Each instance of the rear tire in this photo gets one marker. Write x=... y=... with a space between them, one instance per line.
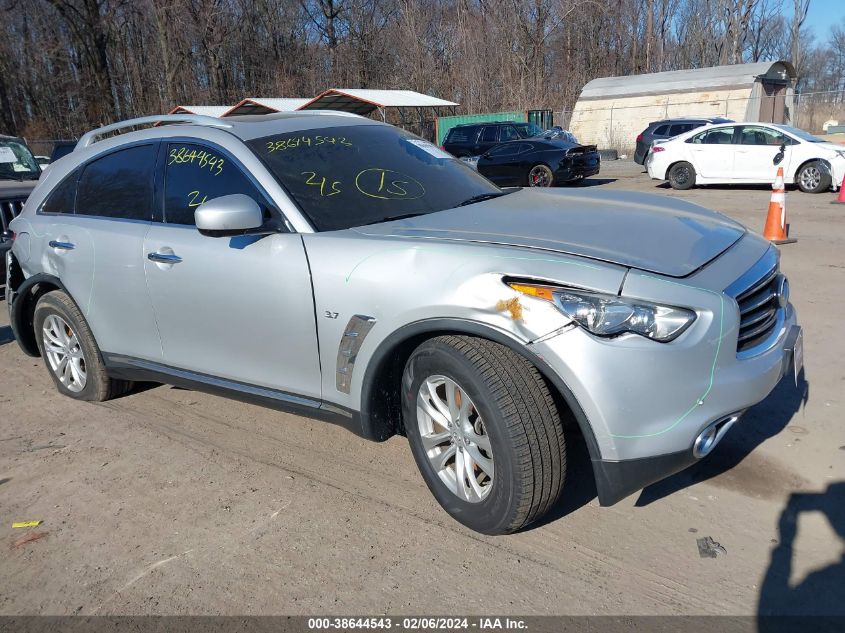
x=510 y=424
x=681 y=176
x=540 y=176
x=70 y=352
x=813 y=177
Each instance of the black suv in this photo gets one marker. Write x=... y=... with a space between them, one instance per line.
x=667 y=128
x=474 y=139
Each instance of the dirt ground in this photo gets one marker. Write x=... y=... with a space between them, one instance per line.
x=169 y=501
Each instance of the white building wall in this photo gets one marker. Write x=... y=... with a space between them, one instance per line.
x=614 y=123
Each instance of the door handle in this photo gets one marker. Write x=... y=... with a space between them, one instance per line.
x=65 y=246
x=164 y=258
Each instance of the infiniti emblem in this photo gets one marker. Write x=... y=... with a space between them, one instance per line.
x=783 y=291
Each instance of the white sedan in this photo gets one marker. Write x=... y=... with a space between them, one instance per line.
x=746 y=153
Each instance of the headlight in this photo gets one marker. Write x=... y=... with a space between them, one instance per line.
x=609 y=315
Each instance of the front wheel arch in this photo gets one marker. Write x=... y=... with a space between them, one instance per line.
x=823 y=161
x=380 y=409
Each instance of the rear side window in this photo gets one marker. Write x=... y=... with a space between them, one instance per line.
x=194 y=174
x=489 y=135
x=720 y=136
x=509 y=149
x=461 y=134
x=63 y=197
x=119 y=185
x=680 y=128
x=661 y=130
x=509 y=133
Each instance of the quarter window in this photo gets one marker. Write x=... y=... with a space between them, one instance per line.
x=119 y=185
x=663 y=130
x=63 y=197
x=194 y=174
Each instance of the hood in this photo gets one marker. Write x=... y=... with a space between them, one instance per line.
x=16 y=188
x=831 y=147
x=652 y=233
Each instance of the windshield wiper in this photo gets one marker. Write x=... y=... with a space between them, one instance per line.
x=393 y=217
x=481 y=198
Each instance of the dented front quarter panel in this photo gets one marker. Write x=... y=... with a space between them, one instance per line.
x=400 y=281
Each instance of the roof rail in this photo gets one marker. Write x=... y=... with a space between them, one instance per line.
x=90 y=137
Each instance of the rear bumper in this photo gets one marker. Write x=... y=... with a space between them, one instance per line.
x=578 y=167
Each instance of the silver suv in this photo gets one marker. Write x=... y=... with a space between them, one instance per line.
x=344 y=269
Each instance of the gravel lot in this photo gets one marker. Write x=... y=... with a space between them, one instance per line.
x=169 y=501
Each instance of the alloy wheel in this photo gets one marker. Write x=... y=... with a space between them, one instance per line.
x=454 y=438
x=64 y=353
x=811 y=177
x=539 y=176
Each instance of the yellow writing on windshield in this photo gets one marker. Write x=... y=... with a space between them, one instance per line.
x=294 y=142
x=387 y=184
x=314 y=179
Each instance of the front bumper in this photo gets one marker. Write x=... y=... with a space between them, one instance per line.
x=647 y=402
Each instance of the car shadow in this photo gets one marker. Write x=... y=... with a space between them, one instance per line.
x=742 y=187
x=6 y=335
x=821 y=593
x=590 y=182
x=760 y=422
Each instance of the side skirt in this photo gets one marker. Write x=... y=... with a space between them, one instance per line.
x=137 y=369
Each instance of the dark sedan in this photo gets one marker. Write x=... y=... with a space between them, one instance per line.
x=539 y=163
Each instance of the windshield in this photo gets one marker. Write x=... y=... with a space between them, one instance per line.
x=363 y=174
x=804 y=136
x=17 y=162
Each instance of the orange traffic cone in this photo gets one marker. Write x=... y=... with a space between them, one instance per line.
x=775 y=229
x=841 y=198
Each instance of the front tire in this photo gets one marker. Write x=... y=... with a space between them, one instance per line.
x=813 y=177
x=484 y=431
x=681 y=176
x=70 y=352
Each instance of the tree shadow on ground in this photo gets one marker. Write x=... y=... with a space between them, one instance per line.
x=761 y=422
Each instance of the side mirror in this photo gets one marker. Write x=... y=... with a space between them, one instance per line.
x=235 y=214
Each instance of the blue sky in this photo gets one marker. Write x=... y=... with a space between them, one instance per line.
x=822 y=15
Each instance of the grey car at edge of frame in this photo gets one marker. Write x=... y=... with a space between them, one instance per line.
x=346 y=270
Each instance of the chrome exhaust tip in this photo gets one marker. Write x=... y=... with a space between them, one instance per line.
x=712 y=434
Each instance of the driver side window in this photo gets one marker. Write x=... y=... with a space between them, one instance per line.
x=195 y=173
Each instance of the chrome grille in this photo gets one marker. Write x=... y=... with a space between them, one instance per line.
x=9 y=210
x=758 y=310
